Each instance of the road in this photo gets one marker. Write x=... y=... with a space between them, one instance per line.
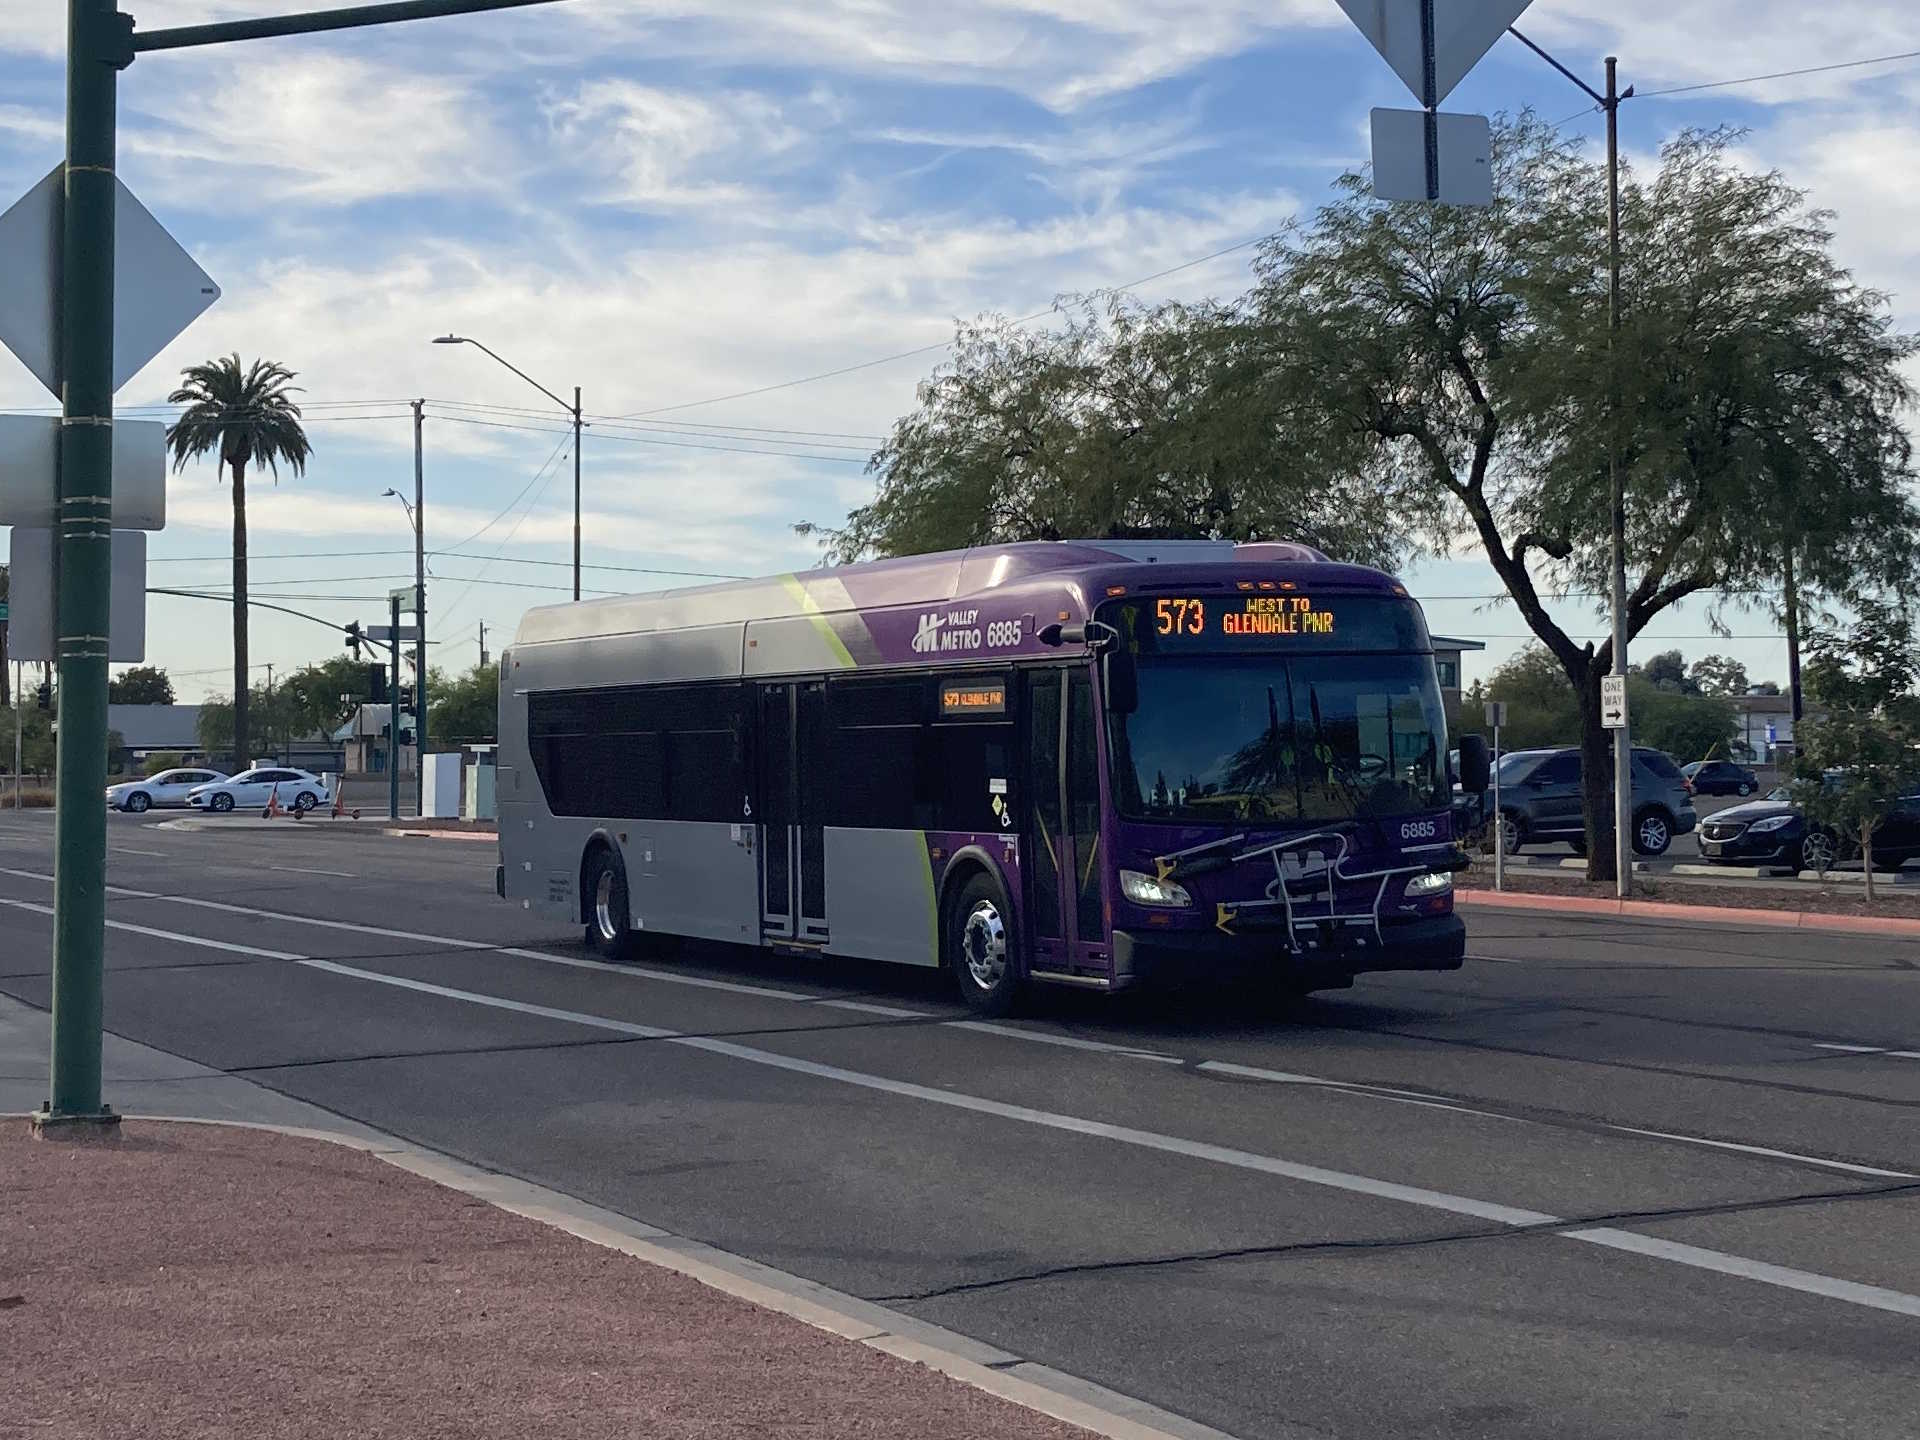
x=1609 y=1180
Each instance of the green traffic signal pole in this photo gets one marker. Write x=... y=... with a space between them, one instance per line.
x=96 y=50
x=101 y=42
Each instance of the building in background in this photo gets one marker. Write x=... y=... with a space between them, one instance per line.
x=369 y=745
x=1446 y=660
x=1763 y=728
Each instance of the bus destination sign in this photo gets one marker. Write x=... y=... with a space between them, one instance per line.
x=967 y=699
x=1249 y=615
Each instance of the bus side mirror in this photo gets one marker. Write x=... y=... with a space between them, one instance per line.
x=1119 y=679
x=1476 y=769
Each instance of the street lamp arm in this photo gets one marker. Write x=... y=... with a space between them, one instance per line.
x=313 y=21
x=469 y=340
x=1598 y=98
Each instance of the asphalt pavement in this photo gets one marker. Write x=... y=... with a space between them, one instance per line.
x=1611 y=1179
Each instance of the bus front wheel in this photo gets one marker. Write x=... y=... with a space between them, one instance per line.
x=981 y=947
x=609 y=917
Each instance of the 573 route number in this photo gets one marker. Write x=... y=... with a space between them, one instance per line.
x=1180 y=617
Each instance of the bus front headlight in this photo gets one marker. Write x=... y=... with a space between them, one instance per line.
x=1421 y=886
x=1145 y=890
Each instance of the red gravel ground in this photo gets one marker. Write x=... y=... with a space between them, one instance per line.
x=195 y=1281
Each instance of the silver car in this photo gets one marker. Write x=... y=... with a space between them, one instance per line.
x=168 y=788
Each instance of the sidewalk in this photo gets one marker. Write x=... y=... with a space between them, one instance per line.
x=197 y=1280
x=290 y=1273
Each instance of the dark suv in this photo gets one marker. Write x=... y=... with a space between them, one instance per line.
x=1540 y=800
x=1720 y=777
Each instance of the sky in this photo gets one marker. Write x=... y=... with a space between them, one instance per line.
x=686 y=208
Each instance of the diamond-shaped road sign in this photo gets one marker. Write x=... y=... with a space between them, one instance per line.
x=1463 y=31
x=158 y=290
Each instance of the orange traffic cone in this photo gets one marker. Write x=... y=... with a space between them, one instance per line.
x=273 y=804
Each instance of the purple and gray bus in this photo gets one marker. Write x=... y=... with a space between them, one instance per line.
x=1078 y=763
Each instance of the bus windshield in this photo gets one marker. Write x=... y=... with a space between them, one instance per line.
x=1250 y=737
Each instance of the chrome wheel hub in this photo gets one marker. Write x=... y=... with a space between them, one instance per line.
x=1819 y=851
x=1653 y=834
x=983 y=944
x=603 y=919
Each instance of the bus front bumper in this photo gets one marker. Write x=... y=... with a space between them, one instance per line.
x=1430 y=943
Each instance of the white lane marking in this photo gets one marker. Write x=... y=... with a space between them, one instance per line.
x=1069 y=1042
x=165 y=934
x=1874 y=1297
x=698 y=982
x=1870 y=1050
x=129 y=850
x=862 y=1007
x=1850 y=1169
x=1356 y=1087
x=521 y=1007
x=307 y=870
x=1786 y=1277
x=1497 y=959
x=982 y=1027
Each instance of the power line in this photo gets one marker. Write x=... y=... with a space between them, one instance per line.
x=671 y=444
x=558 y=450
x=1782 y=74
x=943 y=345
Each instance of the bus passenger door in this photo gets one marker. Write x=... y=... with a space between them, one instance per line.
x=1045 y=838
x=777 y=810
x=1086 y=891
x=792 y=726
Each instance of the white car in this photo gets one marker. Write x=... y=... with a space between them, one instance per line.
x=251 y=789
x=169 y=787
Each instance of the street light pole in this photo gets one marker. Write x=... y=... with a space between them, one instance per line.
x=573 y=410
x=97 y=41
x=419 y=613
x=576 y=492
x=1616 y=478
x=1622 y=737
x=100 y=43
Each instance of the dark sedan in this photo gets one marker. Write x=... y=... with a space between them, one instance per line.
x=1774 y=831
x=1720 y=777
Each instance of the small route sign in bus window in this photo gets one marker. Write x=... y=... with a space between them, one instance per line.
x=965 y=699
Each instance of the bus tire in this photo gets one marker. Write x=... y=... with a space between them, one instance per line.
x=609 y=914
x=980 y=946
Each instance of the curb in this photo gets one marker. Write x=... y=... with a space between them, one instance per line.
x=445 y=834
x=1700 y=914
x=985 y=1367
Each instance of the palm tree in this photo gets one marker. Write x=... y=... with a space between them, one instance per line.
x=241 y=417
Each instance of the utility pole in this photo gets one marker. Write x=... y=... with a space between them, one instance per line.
x=1616 y=478
x=1623 y=737
x=419 y=611
x=483 y=644
x=393 y=712
x=576 y=492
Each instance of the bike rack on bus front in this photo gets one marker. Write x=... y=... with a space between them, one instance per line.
x=1302 y=911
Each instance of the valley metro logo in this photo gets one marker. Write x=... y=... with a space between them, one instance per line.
x=926 y=638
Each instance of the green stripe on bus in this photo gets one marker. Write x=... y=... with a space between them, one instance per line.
x=821 y=623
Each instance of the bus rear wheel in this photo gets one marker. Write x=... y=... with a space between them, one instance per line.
x=981 y=949
x=609 y=916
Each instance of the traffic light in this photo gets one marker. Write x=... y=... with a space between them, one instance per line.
x=44 y=695
x=353 y=639
x=377 y=684
x=406 y=698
